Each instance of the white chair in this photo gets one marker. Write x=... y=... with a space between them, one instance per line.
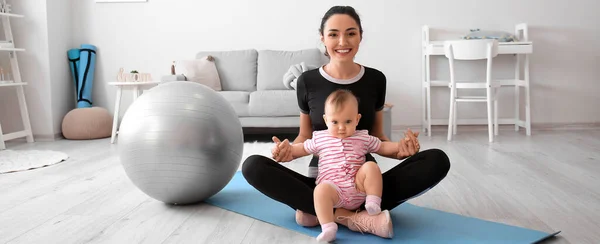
x=471 y=50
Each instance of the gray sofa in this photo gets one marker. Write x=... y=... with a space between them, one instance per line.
x=252 y=81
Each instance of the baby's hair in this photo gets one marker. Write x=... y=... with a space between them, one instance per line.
x=339 y=98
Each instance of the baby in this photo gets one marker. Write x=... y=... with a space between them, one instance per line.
x=344 y=179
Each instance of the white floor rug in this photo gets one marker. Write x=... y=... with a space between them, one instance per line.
x=21 y=160
x=260 y=148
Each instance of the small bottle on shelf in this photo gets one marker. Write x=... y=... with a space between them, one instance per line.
x=4 y=7
x=5 y=76
x=3 y=79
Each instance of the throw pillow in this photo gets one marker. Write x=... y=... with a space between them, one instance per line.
x=202 y=70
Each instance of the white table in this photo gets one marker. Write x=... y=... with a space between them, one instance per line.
x=136 y=93
x=521 y=49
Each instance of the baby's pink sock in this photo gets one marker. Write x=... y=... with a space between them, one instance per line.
x=328 y=232
x=373 y=204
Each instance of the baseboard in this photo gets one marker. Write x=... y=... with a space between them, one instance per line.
x=534 y=127
x=46 y=138
x=566 y=126
x=396 y=128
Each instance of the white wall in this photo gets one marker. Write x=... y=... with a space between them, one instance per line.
x=148 y=36
x=31 y=33
x=59 y=41
x=565 y=69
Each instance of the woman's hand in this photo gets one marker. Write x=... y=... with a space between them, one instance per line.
x=282 y=151
x=413 y=139
x=409 y=145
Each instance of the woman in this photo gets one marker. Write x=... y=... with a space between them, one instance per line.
x=341 y=33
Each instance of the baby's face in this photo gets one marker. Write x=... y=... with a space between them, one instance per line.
x=342 y=123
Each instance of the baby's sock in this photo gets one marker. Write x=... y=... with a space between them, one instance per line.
x=328 y=232
x=373 y=204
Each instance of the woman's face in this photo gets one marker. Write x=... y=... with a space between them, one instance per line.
x=341 y=36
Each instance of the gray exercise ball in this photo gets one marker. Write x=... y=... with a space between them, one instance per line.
x=180 y=142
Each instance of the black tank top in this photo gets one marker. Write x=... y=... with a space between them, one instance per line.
x=314 y=86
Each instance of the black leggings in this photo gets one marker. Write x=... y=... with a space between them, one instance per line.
x=409 y=179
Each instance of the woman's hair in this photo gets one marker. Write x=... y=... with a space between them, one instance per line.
x=340 y=10
x=340 y=98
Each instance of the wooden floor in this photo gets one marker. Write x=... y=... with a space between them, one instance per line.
x=549 y=181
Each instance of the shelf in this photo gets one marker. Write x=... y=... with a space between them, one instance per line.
x=13 y=49
x=12 y=15
x=13 y=84
x=15 y=135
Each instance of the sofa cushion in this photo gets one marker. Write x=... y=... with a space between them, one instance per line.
x=236 y=96
x=237 y=68
x=241 y=109
x=274 y=103
x=273 y=64
x=239 y=100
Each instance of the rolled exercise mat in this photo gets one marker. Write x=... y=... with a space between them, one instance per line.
x=73 y=55
x=86 y=75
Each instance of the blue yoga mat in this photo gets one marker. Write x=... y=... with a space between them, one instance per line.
x=412 y=224
x=73 y=55
x=86 y=75
x=82 y=62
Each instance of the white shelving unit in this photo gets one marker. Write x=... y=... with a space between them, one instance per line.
x=12 y=15
x=16 y=83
